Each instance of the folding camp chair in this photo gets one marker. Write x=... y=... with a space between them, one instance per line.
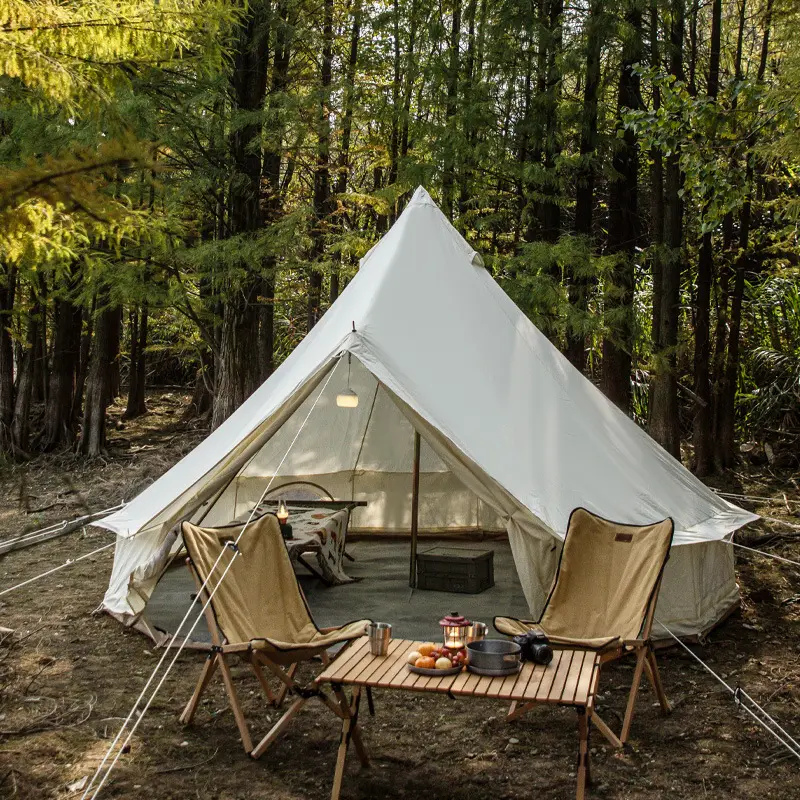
x=603 y=598
x=258 y=612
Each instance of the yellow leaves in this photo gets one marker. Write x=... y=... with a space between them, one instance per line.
x=78 y=51
x=52 y=207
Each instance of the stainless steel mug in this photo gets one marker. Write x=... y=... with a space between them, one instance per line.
x=476 y=632
x=380 y=634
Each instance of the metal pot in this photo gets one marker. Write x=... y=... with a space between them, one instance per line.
x=494 y=654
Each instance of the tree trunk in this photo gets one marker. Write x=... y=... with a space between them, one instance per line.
x=138 y=371
x=726 y=271
x=469 y=126
x=202 y=400
x=409 y=79
x=726 y=433
x=526 y=151
x=623 y=228
x=550 y=209
x=39 y=389
x=656 y=183
x=98 y=382
x=348 y=102
x=238 y=368
x=449 y=160
x=394 y=135
x=266 y=329
x=238 y=372
x=20 y=425
x=322 y=172
x=8 y=287
x=702 y=428
x=84 y=354
x=271 y=180
x=664 y=420
x=580 y=285
x=59 y=423
x=116 y=382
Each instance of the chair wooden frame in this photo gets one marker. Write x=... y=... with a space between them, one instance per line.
x=641 y=648
x=258 y=662
x=646 y=663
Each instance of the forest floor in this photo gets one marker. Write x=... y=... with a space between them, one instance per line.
x=68 y=677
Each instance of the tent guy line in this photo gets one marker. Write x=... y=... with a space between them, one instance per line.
x=765 y=554
x=739 y=696
x=68 y=563
x=236 y=552
x=754 y=499
x=26 y=539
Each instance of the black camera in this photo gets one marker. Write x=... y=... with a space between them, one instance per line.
x=535 y=647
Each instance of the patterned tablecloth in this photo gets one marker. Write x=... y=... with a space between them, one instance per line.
x=324 y=533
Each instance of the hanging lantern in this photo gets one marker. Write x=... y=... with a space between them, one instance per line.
x=348 y=398
x=455 y=629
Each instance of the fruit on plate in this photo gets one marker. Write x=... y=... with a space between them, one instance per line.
x=459 y=658
x=427 y=648
x=438 y=658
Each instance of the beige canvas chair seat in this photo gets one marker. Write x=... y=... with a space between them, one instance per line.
x=259 y=612
x=511 y=626
x=604 y=596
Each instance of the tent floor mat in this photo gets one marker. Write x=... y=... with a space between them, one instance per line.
x=382 y=593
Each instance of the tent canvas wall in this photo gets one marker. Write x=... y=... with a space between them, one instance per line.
x=514 y=435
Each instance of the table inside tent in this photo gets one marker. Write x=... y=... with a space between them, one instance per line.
x=319 y=536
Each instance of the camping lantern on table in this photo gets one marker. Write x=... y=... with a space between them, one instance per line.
x=283 y=520
x=455 y=629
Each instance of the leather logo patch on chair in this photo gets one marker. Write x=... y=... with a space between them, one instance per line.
x=624 y=537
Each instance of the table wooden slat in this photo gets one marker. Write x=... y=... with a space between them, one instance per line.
x=457 y=686
x=561 y=676
x=468 y=687
x=340 y=664
x=543 y=690
x=397 y=668
x=568 y=693
x=538 y=675
x=495 y=688
x=518 y=686
x=376 y=664
x=384 y=667
x=569 y=679
x=584 y=686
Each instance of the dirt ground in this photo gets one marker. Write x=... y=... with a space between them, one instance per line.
x=68 y=676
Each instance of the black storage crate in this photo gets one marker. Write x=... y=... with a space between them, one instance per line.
x=455 y=569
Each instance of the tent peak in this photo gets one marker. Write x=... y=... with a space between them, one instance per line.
x=422 y=197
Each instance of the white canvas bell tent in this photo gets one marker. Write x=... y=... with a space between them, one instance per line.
x=513 y=436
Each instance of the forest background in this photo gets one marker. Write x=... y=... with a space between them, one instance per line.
x=185 y=187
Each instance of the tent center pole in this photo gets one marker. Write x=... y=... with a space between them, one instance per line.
x=412 y=571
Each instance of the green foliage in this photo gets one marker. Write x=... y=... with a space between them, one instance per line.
x=117 y=165
x=771 y=371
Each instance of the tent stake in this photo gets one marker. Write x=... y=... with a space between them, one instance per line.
x=412 y=573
